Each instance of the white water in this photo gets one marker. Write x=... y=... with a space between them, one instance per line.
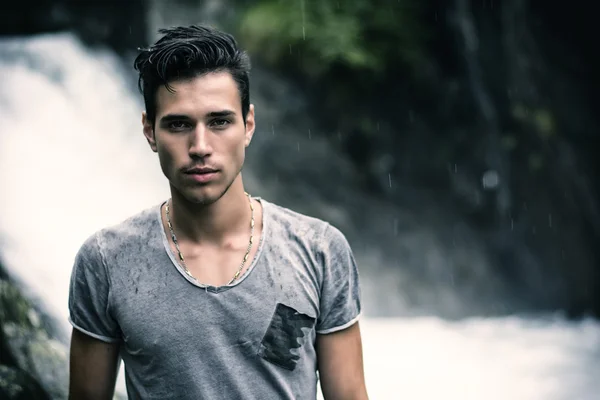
x=73 y=159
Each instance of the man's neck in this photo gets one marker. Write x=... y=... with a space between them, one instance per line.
x=211 y=223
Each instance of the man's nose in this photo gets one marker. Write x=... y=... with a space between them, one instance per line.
x=199 y=142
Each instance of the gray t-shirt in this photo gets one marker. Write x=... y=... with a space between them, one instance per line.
x=254 y=339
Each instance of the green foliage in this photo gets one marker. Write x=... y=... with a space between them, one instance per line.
x=544 y=121
x=540 y=119
x=509 y=142
x=14 y=307
x=362 y=35
x=536 y=162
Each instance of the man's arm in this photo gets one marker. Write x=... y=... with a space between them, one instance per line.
x=340 y=363
x=94 y=366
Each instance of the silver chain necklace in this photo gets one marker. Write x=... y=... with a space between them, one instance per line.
x=239 y=270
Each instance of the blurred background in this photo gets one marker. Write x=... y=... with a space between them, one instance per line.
x=453 y=142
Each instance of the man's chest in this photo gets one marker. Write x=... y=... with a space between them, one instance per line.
x=271 y=314
x=216 y=265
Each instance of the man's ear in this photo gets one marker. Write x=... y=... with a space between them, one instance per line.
x=149 y=131
x=250 y=124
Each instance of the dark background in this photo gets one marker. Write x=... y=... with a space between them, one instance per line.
x=480 y=112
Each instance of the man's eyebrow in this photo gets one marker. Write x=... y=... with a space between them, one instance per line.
x=174 y=117
x=182 y=117
x=222 y=113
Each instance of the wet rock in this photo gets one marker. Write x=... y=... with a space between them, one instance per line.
x=19 y=385
x=34 y=362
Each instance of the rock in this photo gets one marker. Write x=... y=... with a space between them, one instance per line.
x=44 y=358
x=27 y=345
x=18 y=385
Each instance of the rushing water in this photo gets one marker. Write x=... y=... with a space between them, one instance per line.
x=73 y=159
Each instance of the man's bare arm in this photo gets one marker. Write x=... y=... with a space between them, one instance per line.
x=94 y=366
x=340 y=363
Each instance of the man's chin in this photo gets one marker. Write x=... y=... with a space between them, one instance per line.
x=201 y=200
x=204 y=196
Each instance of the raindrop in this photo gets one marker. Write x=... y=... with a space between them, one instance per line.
x=512 y=224
x=455 y=168
x=273 y=129
x=490 y=179
x=390 y=179
x=298 y=146
x=309 y=134
x=303 y=21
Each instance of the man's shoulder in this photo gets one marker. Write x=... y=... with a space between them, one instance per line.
x=134 y=227
x=294 y=224
x=294 y=221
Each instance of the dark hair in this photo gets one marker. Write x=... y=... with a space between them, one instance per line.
x=187 y=52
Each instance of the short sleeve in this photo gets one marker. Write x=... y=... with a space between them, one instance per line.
x=340 y=303
x=89 y=295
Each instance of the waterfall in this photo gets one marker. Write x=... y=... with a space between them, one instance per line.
x=73 y=160
x=70 y=160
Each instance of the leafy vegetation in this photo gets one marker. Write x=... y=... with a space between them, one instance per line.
x=362 y=35
x=438 y=95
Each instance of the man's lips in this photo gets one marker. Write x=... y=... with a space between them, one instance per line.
x=202 y=175
x=201 y=170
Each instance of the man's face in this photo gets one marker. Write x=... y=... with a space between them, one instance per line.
x=200 y=136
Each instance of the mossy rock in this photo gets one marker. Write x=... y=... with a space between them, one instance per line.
x=30 y=347
x=18 y=385
x=15 y=308
x=44 y=358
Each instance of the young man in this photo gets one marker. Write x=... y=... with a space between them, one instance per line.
x=213 y=294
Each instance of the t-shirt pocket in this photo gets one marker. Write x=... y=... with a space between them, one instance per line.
x=284 y=336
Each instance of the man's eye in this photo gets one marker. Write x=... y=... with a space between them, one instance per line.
x=220 y=123
x=178 y=125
